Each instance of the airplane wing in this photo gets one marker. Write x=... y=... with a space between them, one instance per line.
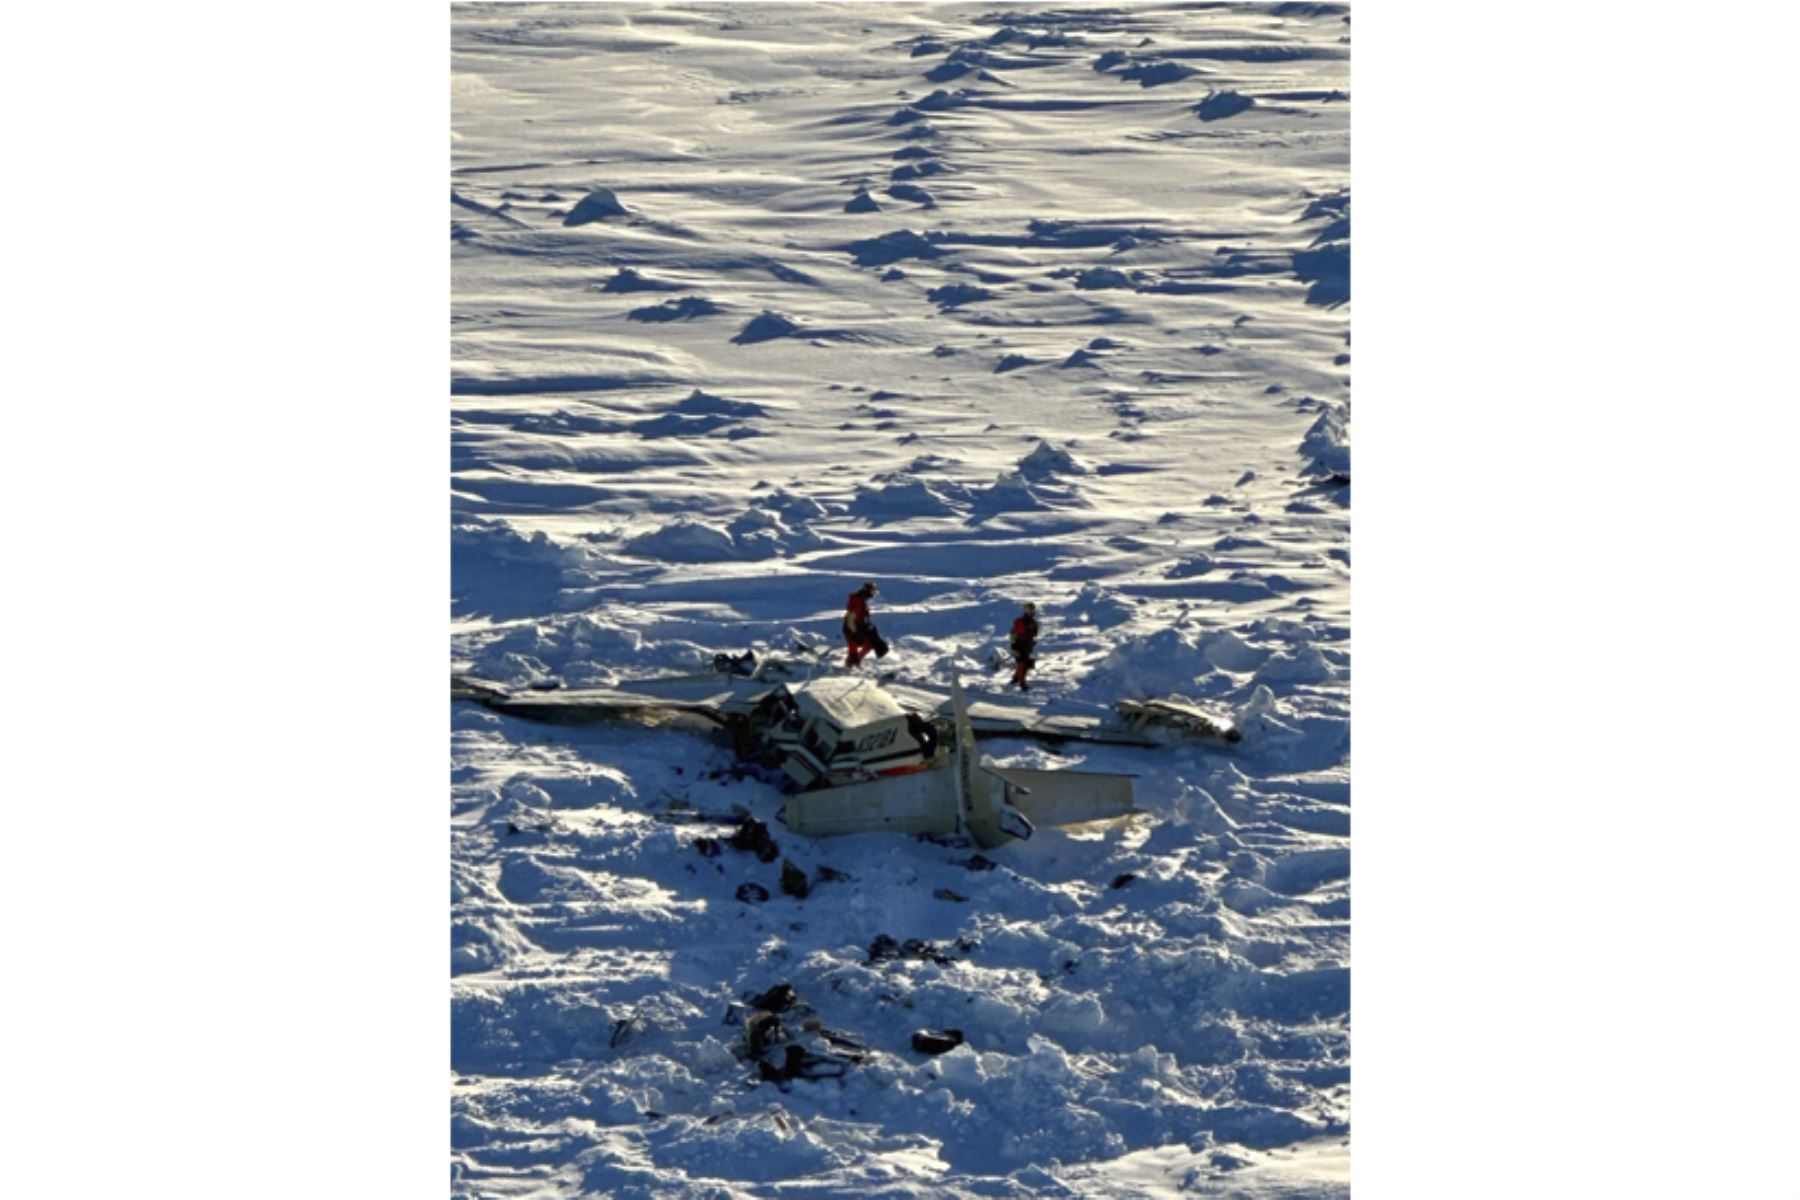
x=711 y=696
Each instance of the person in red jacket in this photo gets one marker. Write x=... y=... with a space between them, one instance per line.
x=1024 y=641
x=860 y=634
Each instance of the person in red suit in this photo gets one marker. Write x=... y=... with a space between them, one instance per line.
x=1024 y=641
x=860 y=634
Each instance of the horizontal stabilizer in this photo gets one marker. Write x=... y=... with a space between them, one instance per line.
x=1067 y=797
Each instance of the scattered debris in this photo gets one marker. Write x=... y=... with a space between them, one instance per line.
x=933 y=1041
x=752 y=893
x=777 y=999
x=735 y=664
x=753 y=835
x=762 y=1031
x=817 y=1053
x=1120 y=881
x=793 y=880
x=801 y=1063
x=885 y=949
x=947 y=894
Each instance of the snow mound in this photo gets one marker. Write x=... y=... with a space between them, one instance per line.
x=628 y=280
x=1219 y=105
x=767 y=327
x=899 y=498
x=1098 y=278
x=1327 y=443
x=1229 y=652
x=684 y=540
x=704 y=404
x=792 y=508
x=1154 y=73
x=1191 y=566
x=1327 y=268
x=1009 y=493
x=763 y=533
x=1099 y=607
x=1165 y=663
x=684 y=309
x=500 y=541
x=597 y=205
x=914 y=193
x=1304 y=664
x=892 y=248
x=1045 y=460
x=955 y=294
x=923 y=169
x=862 y=202
x=756 y=533
x=501 y=572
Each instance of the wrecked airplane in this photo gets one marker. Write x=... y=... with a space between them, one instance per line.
x=860 y=757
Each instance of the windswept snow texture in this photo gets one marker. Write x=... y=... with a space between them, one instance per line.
x=718 y=356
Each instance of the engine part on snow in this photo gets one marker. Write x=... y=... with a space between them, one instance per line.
x=777 y=999
x=735 y=664
x=752 y=835
x=762 y=1030
x=933 y=1041
x=752 y=893
x=830 y=1056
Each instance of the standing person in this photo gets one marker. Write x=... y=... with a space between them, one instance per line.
x=860 y=634
x=1024 y=641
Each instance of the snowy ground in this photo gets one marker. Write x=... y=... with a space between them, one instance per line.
x=988 y=304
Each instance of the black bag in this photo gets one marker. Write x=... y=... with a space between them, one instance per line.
x=877 y=641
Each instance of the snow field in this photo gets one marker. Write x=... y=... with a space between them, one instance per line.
x=754 y=302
